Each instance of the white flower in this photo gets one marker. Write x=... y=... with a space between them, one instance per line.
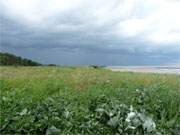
x=137 y=90
x=131 y=108
x=23 y=112
x=110 y=114
x=130 y=116
x=149 y=124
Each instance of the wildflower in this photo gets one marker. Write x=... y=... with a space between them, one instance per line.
x=137 y=90
x=131 y=108
x=23 y=112
x=149 y=125
x=130 y=116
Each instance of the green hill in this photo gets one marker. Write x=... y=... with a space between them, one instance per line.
x=7 y=59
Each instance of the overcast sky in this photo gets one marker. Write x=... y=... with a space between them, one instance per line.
x=104 y=32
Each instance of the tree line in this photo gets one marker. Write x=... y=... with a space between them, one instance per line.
x=7 y=59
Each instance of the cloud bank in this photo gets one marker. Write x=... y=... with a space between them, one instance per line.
x=116 y=32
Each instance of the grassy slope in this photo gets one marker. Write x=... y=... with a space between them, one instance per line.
x=78 y=90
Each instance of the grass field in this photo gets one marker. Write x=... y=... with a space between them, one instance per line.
x=83 y=100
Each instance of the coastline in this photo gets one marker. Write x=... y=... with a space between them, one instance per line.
x=147 y=69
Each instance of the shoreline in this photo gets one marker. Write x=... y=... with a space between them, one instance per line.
x=147 y=69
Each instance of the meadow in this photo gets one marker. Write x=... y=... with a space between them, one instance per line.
x=87 y=101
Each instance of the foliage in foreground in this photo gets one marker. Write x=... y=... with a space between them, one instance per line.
x=103 y=115
x=108 y=107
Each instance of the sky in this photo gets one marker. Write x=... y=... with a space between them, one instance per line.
x=86 y=32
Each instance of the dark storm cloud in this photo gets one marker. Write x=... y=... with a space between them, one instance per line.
x=78 y=36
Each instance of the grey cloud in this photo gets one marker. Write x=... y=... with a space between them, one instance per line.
x=74 y=37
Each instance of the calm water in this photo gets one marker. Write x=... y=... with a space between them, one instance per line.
x=148 y=69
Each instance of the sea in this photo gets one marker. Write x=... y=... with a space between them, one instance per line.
x=148 y=69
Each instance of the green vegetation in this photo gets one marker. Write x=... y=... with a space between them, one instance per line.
x=88 y=101
x=7 y=59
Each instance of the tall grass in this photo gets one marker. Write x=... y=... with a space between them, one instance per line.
x=82 y=100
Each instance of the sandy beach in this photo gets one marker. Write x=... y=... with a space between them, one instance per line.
x=147 y=69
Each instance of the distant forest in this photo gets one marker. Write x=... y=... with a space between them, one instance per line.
x=7 y=59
